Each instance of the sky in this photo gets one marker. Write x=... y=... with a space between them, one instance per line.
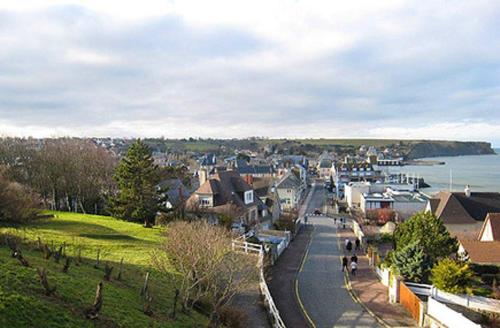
x=224 y=69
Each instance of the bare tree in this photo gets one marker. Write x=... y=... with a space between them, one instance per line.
x=210 y=270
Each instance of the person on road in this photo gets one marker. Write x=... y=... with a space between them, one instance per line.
x=354 y=258
x=344 y=264
x=349 y=246
x=335 y=221
x=354 y=267
x=357 y=242
x=346 y=241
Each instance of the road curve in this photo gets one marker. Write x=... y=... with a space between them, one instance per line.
x=321 y=285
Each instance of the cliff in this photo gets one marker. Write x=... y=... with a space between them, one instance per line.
x=447 y=148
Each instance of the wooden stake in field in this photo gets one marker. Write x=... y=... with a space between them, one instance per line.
x=107 y=272
x=119 y=276
x=66 y=265
x=93 y=312
x=97 y=259
x=42 y=274
x=144 y=289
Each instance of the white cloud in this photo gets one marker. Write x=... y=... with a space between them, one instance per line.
x=240 y=68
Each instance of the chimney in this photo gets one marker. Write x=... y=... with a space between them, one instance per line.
x=467 y=191
x=249 y=179
x=202 y=176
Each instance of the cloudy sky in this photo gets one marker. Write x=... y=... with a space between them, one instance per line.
x=281 y=68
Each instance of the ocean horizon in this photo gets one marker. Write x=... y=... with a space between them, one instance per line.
x=481 y=172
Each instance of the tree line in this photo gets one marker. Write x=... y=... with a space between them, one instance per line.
x=67 y=173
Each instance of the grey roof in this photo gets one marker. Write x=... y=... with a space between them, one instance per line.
x=325 y=164
x=175 y=190
x=289 y=181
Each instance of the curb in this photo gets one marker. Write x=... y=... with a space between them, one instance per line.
x=296 y=283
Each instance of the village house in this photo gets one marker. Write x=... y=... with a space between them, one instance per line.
x=346 y=171
x=404 y=203
x=325 y=168
x=173 y=192
x=225 y=193
x=463 y=213
x=256 y=171
x=290 y=191
x=485 y=249
x=266 y=190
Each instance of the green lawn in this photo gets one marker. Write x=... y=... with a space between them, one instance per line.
x=23 y=303
x=115 y=238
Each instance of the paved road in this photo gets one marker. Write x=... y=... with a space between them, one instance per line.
x=321 y=282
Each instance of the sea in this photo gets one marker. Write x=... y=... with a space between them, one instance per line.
x=481 y=172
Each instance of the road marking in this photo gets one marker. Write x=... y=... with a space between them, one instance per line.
x=297 y=295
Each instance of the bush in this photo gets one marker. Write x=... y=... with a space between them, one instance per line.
x=17 y=203
x=232 y=317
x=453 y=276
x=381 y=215
x=286 y=222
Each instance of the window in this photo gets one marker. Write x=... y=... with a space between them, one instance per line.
x=249 y=197
x=204 y=201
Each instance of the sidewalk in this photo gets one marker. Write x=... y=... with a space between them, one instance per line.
x=372 y=293
x=282 y=279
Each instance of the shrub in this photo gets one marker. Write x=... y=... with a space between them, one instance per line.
x=381 y=215
x=453 y=276
x=232 y=317
x=17 y=203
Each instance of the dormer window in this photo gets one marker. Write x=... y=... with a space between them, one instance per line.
x=205 y=201
x=249 y=197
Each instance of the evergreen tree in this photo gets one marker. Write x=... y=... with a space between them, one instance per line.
x=429 y=233
x=137 y=178
x=412 y=263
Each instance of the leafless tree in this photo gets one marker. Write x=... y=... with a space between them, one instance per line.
x=210 y=270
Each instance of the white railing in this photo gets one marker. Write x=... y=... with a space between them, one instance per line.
x=473 y=302
x=238 y=245
x=447 y=316
x=419 y=289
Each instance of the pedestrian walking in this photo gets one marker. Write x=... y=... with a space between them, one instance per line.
x=354 y=268
x=344 y=264
x=354 y=258
x=349 y=246
x=358 y=243
x=346 y=241
x=335 y=221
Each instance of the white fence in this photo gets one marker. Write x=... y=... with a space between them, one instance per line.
x=447 y=317
x=473 y=302
x=384 y=275
x=264 y=289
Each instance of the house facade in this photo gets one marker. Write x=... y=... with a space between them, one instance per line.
x=225 y=193
x=290 y=191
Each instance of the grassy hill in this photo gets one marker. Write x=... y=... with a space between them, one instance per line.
x=22 y=299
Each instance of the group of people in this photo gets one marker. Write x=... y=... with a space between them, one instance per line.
x=354 y=264
x=354 y=258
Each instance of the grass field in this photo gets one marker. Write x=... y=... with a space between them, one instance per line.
x=23 y=303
